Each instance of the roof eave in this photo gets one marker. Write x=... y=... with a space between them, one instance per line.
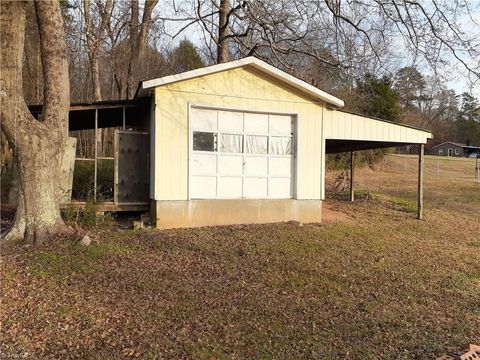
x=448 y=142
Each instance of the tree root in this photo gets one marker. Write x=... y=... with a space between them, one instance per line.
x=34 y=234
x=16 y=232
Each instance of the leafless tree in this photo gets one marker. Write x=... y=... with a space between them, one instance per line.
x=109 y=40
x=95 y=37
x=138 y=41
x=349 y=34
x=431 y=32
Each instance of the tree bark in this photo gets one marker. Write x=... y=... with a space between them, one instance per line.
x=223 y=50
x=94 y=41
x=92 y=47
x=138 y=42
x=38 y=145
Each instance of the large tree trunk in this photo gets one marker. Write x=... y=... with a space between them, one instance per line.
x=38 y=145
x=38 y=212
x=223 y=51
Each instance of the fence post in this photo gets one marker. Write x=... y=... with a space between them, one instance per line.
x=352 y=172
x=477 y=169
x=405 y=167
x=95 y=169
x=421 y=150
x=438 y=168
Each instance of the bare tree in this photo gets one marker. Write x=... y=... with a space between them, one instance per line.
x=32 y=66
x=38 y=144
x=223 y=53
x=109 y=40
x=95 y=40
x=117 y=50
x=429 y=32
x=350 y=35
x=138 y=41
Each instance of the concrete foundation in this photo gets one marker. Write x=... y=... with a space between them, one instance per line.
x=194 y=213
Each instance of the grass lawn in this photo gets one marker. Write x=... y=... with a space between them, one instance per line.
x=381 y=285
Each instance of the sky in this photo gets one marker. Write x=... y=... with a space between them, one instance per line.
x=461 y=85
x=456 y=76
x=459 y=81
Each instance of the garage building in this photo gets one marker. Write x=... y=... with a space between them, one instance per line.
x=244 y=142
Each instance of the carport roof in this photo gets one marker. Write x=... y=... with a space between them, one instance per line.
x=346 y=131
x=252 y=62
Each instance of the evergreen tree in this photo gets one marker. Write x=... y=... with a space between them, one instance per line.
x=409 y=85
x=186 y=57
x=467 y=125
x=379 y=99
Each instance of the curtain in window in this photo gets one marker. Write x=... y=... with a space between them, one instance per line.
x=256 y=144
x=280 y=145
x=231 y=143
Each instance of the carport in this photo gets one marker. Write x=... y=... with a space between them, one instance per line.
x=349 y=132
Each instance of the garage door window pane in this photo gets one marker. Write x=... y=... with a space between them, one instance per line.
x=231 y=143
x=256 y=144
x=281 y=145
x=203 y=141
x=204 y=119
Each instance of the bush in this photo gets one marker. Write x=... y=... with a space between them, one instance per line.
x=86 y=217
x=105 y=180
x=341 y=161
x=83 y=180
x=84 y=177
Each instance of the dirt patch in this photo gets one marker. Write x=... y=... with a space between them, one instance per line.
x=332 y=214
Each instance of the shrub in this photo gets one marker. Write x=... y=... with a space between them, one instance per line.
x=341 y=161
x=84 y=177
x=86 y=217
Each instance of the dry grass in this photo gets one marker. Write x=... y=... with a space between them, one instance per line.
x=382 y=285
x=442 y=167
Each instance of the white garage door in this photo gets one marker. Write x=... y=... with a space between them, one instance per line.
x=240 y=155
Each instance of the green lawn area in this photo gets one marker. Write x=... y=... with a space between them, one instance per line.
x=381 y=285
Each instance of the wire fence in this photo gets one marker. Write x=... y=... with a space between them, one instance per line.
x=435 y=166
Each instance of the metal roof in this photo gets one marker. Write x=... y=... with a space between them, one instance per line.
x=91 y=105
x=387 y=121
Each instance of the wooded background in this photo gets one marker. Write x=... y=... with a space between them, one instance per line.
x=336 y=47
x=350 y=50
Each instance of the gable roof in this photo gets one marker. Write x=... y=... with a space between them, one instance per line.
x=252 y=62
x=456 y=144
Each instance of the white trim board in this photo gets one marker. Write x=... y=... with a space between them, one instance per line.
x=245 y=62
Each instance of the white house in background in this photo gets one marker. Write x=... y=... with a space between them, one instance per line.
x=244 y=142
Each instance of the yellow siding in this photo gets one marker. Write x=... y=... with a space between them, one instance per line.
x=239 y=88
x=344 y=126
